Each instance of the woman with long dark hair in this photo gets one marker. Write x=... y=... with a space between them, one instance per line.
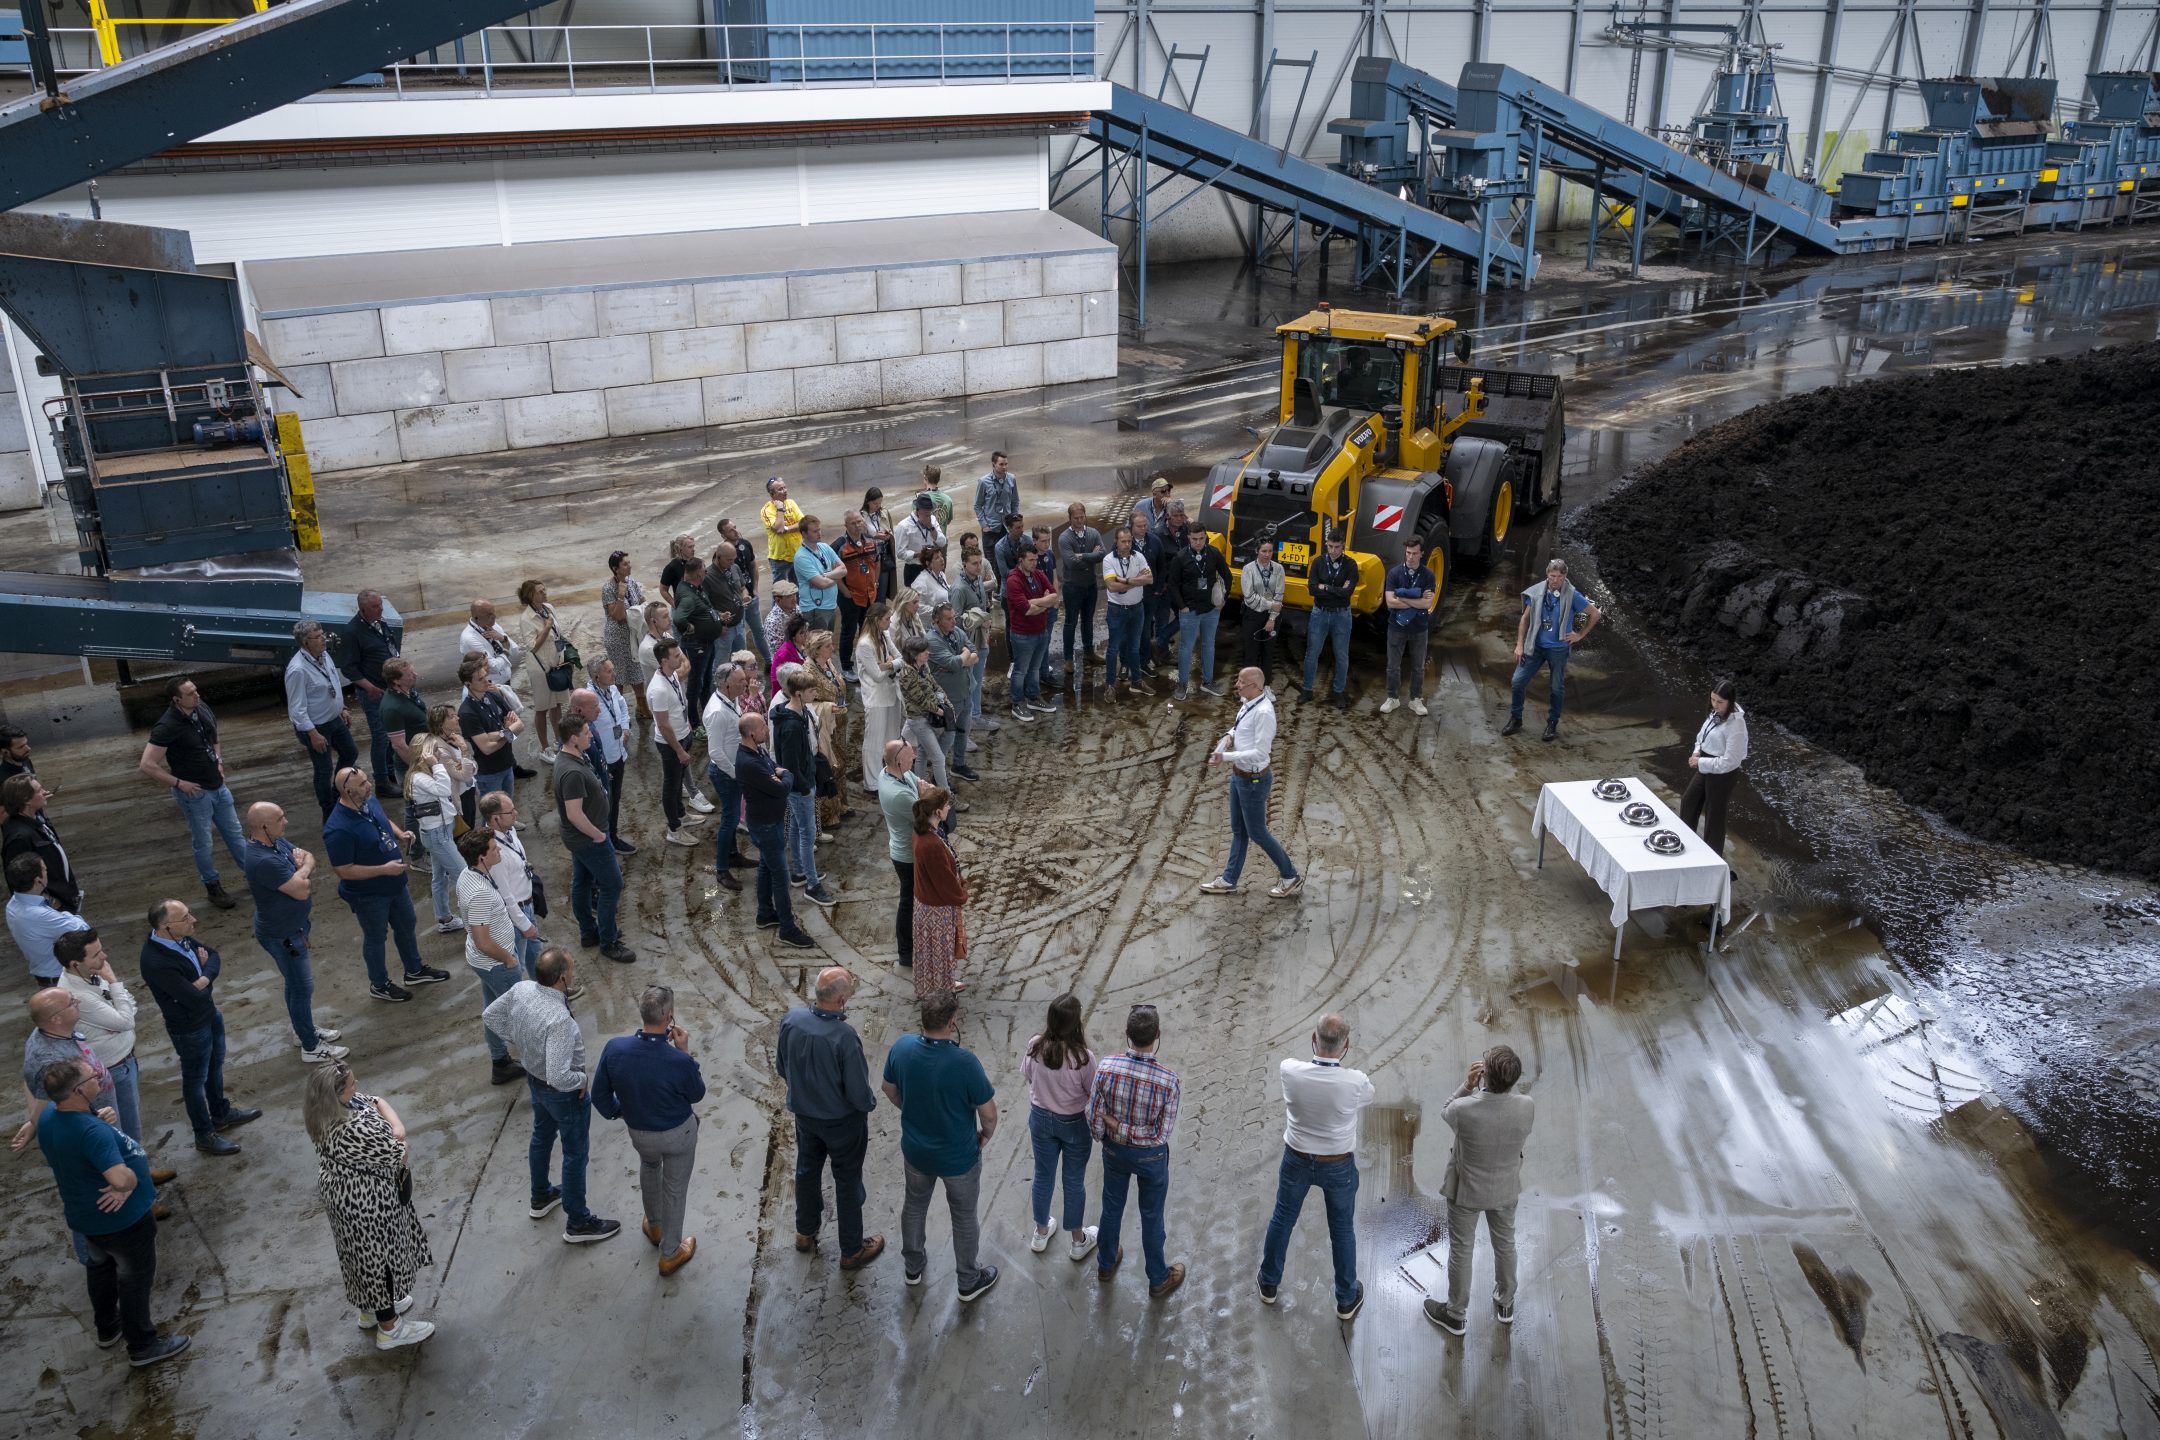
x=367 y=1195
x=1721 y=746
x=941 y=893
x=621 y=601
x=1060 y=1071
x=880 y=526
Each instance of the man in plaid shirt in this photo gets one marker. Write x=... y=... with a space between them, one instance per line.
x=1132 y=1110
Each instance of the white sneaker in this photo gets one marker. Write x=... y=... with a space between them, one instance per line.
x=1284 y=889
x=693 y=819
x=1217 y=886
x=1084 y=1246
x=367 y=1317
x=548 y=754
x=324 y=1032
x=700 y=804
x=823 y=836
x=1390 y=705
x=450 y=926
x=1040 y=1240
x=324 y=1051
x=1417 y=706
x=405 y=1332
x=681 y=837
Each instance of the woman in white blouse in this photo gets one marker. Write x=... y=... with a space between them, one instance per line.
x=876 y=660
x=1721 y=746
x=438 y=773
x=932 y=584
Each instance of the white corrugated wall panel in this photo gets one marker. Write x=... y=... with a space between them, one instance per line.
x=2074 y=30
x=564 y=199
x=922 y=178
x=2007 y=31
x=1226 y=89
x=1438 y=44
x=1298 y=37
x=1535 y=44
x=277 y=213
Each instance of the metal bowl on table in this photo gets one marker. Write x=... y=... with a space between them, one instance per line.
x=1614 y=790
x=1637 y=813
x=1664 y=842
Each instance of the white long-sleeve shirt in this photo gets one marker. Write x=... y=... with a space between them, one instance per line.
x=108 y=1016
x=1251 y=740
x=1321 y=1100
x=314 y=691
x=502 y=654
x=1721 y=745
x=723 y=732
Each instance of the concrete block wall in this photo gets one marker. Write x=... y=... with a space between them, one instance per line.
x=18 y=476
x=400 y=382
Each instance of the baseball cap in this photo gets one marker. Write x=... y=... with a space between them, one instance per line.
x=1162 y=482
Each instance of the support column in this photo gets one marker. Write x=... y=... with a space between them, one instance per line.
x=1818 y=111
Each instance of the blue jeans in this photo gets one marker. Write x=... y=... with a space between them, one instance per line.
x=380 y=756
x=528 y=950
x=727 y=796
x=502 y=780
x=444 y=866
x=1028 y=654
x=127 y=1096
x=1531 y=660
x=495 y=982
x=1126 y=623
x=1121 y=1165
x=1060 y=1140
x=1321 y=628
x=595 y=891
x=773 y=900
x=1198 y=629
x=202 y=1074
x=208 y=810
x=340 y=751
x=982 y=667
x=802 y=838
x=1338 y=1184
x=1248 y=825
x=382 y=915
x=559 y=1114
x=781 y=570
x=290 y=954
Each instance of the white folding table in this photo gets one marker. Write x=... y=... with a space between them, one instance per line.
x=1613 y=853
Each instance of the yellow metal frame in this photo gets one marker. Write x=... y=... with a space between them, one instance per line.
x=107 y=25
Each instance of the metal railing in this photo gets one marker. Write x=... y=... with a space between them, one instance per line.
x=105 y=26
x=532 y=58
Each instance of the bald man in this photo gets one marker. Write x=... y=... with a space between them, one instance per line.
x=821 y=1058
x=1248 y=751
x=1321 y=1100
x=282 y=880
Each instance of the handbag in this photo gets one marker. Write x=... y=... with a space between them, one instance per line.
x=563 y=676
x=404 y=1184
x=539 y=895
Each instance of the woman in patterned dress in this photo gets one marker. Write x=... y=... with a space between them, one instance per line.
x=367 y=1193
x=828 y=702
x=621 y=600
x=940 y=892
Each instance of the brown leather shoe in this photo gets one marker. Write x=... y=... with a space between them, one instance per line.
x=1175 y=1278
x=163 y=1175
x=1107 y=1273
x=652 y=1232
x=805 y=1243
x=670 y=1264
x=159 y=1210
x=872 y=1247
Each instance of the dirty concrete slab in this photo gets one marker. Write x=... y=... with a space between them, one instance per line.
x=1777 y=1190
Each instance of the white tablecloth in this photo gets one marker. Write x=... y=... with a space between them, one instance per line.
x=1612 y=850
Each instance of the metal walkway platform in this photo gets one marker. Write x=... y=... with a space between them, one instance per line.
x=1396 y=239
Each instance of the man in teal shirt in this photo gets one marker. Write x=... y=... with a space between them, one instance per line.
x=897 y=788
x=947 y=1114
x=104 y=1181
x=818 y=573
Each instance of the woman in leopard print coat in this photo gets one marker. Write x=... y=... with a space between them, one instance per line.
x=380 y=1243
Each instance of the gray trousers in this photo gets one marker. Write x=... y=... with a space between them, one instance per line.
x=929 y=752
x=664 y=1161
x=1414 y=640
x=961 y=1194
x=1462 y=1244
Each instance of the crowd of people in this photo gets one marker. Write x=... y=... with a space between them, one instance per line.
x=862 y=676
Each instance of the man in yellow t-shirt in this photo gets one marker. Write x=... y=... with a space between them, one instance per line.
x=783 y=525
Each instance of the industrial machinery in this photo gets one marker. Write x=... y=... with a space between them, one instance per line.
x=185 y=490
x=1383 y=434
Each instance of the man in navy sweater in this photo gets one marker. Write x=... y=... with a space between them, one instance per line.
x=766 y=786
x=648 y=1080
x=180 y=973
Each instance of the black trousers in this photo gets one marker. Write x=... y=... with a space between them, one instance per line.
x=1259 y=643
x=845 y=1143
x=904 y=917
x=671 y=783
x=851 y=618
x=1706 y=799
x=614 y=796
x=122 y=1267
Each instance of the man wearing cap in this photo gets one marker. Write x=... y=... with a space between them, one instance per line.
x=783 y=529
x=997 y=495
x=1147 y=511
x=784 y=604
x=920 y=531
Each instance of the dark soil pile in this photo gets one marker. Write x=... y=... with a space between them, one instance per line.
x=1950 y=579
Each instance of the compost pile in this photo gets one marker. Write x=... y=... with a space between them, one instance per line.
x=1950 y=579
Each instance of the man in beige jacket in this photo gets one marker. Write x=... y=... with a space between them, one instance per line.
x=1484 y=1175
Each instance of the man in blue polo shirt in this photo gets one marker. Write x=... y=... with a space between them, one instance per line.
x=1411 y=594
x=282 y=880
x=947 y=1114
x=1561 y=615
x=818 y=573
x=368 y=853
x=105 y=1188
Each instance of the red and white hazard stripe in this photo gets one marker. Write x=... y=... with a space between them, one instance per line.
x=1387 y=517
x=1219 y=495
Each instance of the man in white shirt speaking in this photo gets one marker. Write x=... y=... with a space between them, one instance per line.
x=1248 y=750
x=1322 y=1097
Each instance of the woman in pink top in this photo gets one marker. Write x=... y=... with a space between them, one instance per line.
x=789 y=651
x=1060 y=1071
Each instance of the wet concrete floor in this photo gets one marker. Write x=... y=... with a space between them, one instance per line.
x=1788 y=1188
